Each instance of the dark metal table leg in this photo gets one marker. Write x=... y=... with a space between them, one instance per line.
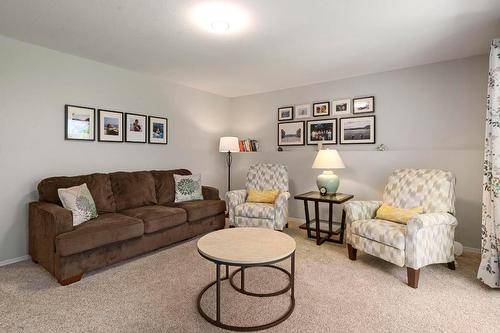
x=218 y=294
x=242 y=285
x=227 y=271
x=306 y=211
x=316 y=216
x=292 y=271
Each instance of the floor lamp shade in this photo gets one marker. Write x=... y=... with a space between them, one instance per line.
x=229 y=144
x=328 y=159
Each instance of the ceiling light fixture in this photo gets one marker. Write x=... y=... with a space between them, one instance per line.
x=220 y=17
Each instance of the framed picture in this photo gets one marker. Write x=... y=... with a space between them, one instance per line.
x=321 y=109
x=291 y=134
x=135 y=127
x=285 y=113
x=158 y=130
x=324 y=131
x=110 y=126
x=363 y=105
x=355 y=130
x=341 y=107
x=79 y=123
x=302 y=111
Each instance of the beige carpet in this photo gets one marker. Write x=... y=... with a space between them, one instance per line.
x=157 y=293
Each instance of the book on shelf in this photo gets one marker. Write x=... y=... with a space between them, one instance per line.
x=248 y=145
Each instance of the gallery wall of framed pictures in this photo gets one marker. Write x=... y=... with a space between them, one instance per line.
x=346 y=122
x=113 y=126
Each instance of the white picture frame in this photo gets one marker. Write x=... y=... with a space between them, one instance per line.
x=302 y=111
x=341 y=107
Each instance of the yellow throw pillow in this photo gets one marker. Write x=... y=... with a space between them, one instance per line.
x=262 y=196
x=400 y=215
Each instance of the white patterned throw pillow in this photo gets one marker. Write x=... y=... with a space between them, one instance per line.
x=79 y=200
x=187 y=188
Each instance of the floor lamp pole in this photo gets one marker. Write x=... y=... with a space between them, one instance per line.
x=229 y=161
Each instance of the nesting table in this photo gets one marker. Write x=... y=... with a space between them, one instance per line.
x=320 y=226
x=245 y=248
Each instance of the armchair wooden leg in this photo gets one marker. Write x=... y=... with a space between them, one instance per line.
x=352 y=252
x=451 y=265
x=413 y=275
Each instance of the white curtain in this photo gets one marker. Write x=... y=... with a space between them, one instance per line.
x=489 y=270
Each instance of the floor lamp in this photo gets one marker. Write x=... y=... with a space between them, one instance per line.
x=228 y=145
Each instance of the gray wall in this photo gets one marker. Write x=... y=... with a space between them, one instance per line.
x=429 y=116
x=35 y=83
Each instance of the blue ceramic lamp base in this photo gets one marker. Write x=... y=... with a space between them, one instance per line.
x=328 y=180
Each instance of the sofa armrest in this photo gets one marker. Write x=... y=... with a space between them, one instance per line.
x=210 y=193
x=361 y=210
x=46 y=221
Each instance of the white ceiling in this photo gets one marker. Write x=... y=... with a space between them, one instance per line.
x=287 y=43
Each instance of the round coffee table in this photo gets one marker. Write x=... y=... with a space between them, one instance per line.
x=246 y=248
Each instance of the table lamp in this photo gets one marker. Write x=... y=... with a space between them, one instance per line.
x=328 y=182
x=229 y=144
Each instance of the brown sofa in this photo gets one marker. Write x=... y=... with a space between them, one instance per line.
x=137 y=214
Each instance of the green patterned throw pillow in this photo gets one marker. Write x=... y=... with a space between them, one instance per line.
x=187 y=188
x=79 y=200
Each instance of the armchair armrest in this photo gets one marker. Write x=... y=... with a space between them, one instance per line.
x=429 y=239
x=361 y=210
x=233 y=199
x=281 y=210
x=430 y=219
x=210 y=193
x=46 y=221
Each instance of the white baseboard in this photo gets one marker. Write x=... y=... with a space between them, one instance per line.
x=14 y=260
x=471 y=249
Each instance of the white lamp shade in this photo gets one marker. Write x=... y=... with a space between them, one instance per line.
x=229 y=143
x=328 y=159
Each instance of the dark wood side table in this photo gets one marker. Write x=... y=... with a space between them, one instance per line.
x=320 y=225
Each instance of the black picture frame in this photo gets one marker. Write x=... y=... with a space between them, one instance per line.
x=303 y=133
x=360 y=98
x=126 y=129
x=321 y=115
x=284 y=108
x=100 y=138
x=66 y=127
x=335 y=126
x=341 y=136
x=150 y=130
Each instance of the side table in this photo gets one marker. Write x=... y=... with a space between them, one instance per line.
x=320 y=225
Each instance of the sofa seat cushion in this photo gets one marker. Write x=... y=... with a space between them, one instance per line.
x=200 y=209
x=255 y=210
x=381 y=231
x=103 y=230
x=157 y=217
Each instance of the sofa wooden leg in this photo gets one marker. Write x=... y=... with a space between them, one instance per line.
x=413 y=275
x=352 y=252
x=451 y=265
x=35 y=261
x=71 y=280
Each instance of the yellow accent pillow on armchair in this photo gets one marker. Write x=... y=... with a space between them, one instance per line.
x=400 y=215
x=262 y=196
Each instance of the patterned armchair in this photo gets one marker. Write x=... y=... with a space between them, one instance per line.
x=261 y=177
x=426 y=239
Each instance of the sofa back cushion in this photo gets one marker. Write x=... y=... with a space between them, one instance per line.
x=133 y=189
x=165 y=184
x=99 y=185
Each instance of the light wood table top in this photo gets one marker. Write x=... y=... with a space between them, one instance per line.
x=246 y=246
